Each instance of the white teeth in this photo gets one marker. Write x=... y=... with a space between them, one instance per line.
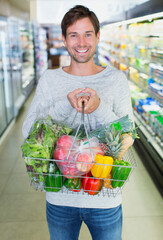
x=81 y=51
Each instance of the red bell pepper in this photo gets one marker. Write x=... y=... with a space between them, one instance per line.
x=91 y=185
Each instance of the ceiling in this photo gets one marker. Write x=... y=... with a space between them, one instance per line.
x=23 y=5
x=57 y=8
x=104 y=9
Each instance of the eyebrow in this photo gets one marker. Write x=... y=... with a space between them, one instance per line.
x=77 y=32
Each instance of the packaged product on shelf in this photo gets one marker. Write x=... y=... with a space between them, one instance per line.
x=134 y=75
x=156 y=70
x=148 y=105
x=157 y=90
x=131 y=60
x=156 y=123
x=143 y=80
x=159 y=127
x=152 y=120
x=157 y=56
x=136 y=98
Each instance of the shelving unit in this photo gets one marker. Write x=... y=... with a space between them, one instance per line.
x=27 y=51
x=6 y=85
x=16 y=63
x=41 y=55
x=55 y=46
x=136 y=47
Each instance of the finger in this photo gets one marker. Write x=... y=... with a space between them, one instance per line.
x=92 y=105
x=73 y=98
x=89 y=91
x=81 y=99
x=76 y=91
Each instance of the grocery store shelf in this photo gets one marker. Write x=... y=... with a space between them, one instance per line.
x=149 y=134
x=151 y=153
x=150 y=93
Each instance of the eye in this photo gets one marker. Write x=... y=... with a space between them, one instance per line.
x=73 y=35
x=88 y=34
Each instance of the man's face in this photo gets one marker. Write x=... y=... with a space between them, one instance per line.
x=81 y=40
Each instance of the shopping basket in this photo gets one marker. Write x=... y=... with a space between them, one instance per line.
x=110 y=179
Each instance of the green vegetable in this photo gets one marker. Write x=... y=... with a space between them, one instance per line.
x=54 y=179
x=124 y=124
x=120 y=173
x=40 y=144
x=73 y=184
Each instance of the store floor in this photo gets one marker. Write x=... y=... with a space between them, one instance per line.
x=22 y=209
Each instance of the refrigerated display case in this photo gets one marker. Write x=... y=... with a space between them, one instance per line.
x=16 y=63
x=7 y=106
x=3 y=117
x=41 y=54
x=135 y=47
x=27 y=56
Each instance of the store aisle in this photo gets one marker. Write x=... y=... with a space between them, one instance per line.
x=22 y=210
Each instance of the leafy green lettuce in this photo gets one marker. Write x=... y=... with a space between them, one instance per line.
x=40 y=144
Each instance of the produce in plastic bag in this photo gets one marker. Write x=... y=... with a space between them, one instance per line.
x=75 y=157
x=40 y=145
x=84 y=156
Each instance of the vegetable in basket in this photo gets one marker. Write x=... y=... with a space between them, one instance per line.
x=116 y=137
x=117 y=143
x=120 y=173
x=73 y=184
x=40 y=144
x=87 y=150
x=54 y=179
x=107 y=182
x=74 y=156
x=91 y=185
x=99 y=169
x=124 y=124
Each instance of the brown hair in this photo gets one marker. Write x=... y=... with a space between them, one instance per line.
x=76 y=13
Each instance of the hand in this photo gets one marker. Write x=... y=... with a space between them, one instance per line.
x=93 y=102
x=85 y=99
x=90 y=98
x=73 y=98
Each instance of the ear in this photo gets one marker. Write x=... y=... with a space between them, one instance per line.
x=64 y=40
x=98 y=37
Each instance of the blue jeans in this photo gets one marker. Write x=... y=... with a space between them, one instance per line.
x=64 y=223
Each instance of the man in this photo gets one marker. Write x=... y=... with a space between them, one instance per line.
x=106 y=95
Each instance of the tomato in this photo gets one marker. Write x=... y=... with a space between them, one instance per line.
x=64 y=141
x=83 y=160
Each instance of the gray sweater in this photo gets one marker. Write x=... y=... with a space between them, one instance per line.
x=50 y=98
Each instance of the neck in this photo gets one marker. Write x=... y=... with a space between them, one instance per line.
x=83 y=69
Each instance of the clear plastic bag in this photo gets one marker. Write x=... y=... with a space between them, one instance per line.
x=75 y=157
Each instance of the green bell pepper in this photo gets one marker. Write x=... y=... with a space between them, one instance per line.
x=120 y=173
x=54 y=179
x=74 y=184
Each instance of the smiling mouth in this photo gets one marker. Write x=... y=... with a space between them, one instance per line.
x=81 y=50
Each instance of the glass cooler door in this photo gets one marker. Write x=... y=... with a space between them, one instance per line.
x=16 y=63
x=3 y=118
x=6 y=70
x=28 y=64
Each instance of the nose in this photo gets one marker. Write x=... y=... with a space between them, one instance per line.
x=82 y=41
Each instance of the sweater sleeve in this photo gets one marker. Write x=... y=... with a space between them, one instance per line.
x=120 y=105
x=43 y=105
x=122 y=100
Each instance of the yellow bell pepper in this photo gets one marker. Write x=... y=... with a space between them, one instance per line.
x=100 y=168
